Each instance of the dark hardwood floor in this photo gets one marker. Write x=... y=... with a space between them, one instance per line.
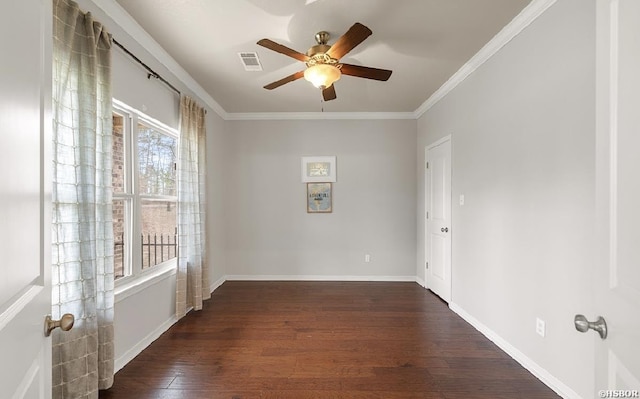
x=301 y=340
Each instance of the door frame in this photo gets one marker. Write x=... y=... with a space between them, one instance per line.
x=428 y=147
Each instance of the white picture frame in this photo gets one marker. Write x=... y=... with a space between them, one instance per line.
x=319 y=169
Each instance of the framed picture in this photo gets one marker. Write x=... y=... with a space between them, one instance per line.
x=319 y=198
x=319 y=169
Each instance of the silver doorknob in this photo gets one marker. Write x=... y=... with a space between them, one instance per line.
x=444 y=229
x=65 y=323
x=583 y=325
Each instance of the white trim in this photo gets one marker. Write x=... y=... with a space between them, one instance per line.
x=422 y=283
x=543 y=375
x=16 y=307
x=274 y=116
x=310 y=277
x=438 y=142
x=511 y=30
x=619 y=375
x=29 y=377
x=614 y=67
x=216 y=284
x=121 y=107
x=143 y=281
x=133 y=29
x=128 y=356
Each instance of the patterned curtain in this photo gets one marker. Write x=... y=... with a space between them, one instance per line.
x=192 y=281
x=82 y=231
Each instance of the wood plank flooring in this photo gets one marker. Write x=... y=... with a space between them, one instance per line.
x=303 y=340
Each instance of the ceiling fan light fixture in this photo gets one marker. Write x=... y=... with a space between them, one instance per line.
x=323 y=61
x=322 y=75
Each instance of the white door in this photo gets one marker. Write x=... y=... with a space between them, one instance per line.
x=25 y=141
x=438 y=217
x=617 y=277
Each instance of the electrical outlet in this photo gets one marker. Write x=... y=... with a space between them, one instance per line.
x=541 y=327
x=367 y=258
x=461 y=199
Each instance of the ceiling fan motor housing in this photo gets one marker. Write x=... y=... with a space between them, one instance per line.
x=318 y=49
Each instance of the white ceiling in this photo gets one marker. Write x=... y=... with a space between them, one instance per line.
x=424 y=42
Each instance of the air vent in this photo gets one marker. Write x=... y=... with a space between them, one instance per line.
x=250 y=61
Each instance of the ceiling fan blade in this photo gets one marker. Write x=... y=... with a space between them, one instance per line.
x=354 y=36
x=282 y=81
x=329 y=93
x=365 y=72
x=279 y=48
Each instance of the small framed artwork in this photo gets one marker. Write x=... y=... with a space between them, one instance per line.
x=319 y=169
x=319 y=198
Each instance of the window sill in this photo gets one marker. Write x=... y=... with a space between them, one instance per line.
x=132 y=285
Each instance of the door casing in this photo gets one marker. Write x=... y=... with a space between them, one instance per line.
x=438 y=232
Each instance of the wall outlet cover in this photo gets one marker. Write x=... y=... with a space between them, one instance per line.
x=541 y=327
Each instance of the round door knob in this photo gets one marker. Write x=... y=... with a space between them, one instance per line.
x=65 y=323
x=583 y=325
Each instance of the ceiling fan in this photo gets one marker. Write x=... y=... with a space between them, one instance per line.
x=323 y=61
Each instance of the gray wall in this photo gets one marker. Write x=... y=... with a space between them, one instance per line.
x=269 y=231
x=217 y=148
x=524 y=158
x=523 y=155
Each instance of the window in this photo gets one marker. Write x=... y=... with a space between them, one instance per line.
x=144 y=192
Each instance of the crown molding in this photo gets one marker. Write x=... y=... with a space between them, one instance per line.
x=529 y=14
x=137 y=33
x=266 y=116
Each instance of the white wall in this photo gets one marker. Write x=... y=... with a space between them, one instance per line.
x=270 y=233
x=523 y=156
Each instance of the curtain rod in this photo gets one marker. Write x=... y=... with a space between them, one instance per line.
x=151 y=71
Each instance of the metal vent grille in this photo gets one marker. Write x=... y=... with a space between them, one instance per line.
x=250 y=61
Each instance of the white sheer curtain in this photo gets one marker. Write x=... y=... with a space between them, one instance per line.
x=82 y=231
x=192 y=282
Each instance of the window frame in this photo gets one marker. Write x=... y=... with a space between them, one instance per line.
x=134 y=275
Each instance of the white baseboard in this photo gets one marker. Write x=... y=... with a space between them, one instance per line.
x=526 y=362
x=310 y=277
x=420 y=281
x=214 y=286
x=143 y=344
